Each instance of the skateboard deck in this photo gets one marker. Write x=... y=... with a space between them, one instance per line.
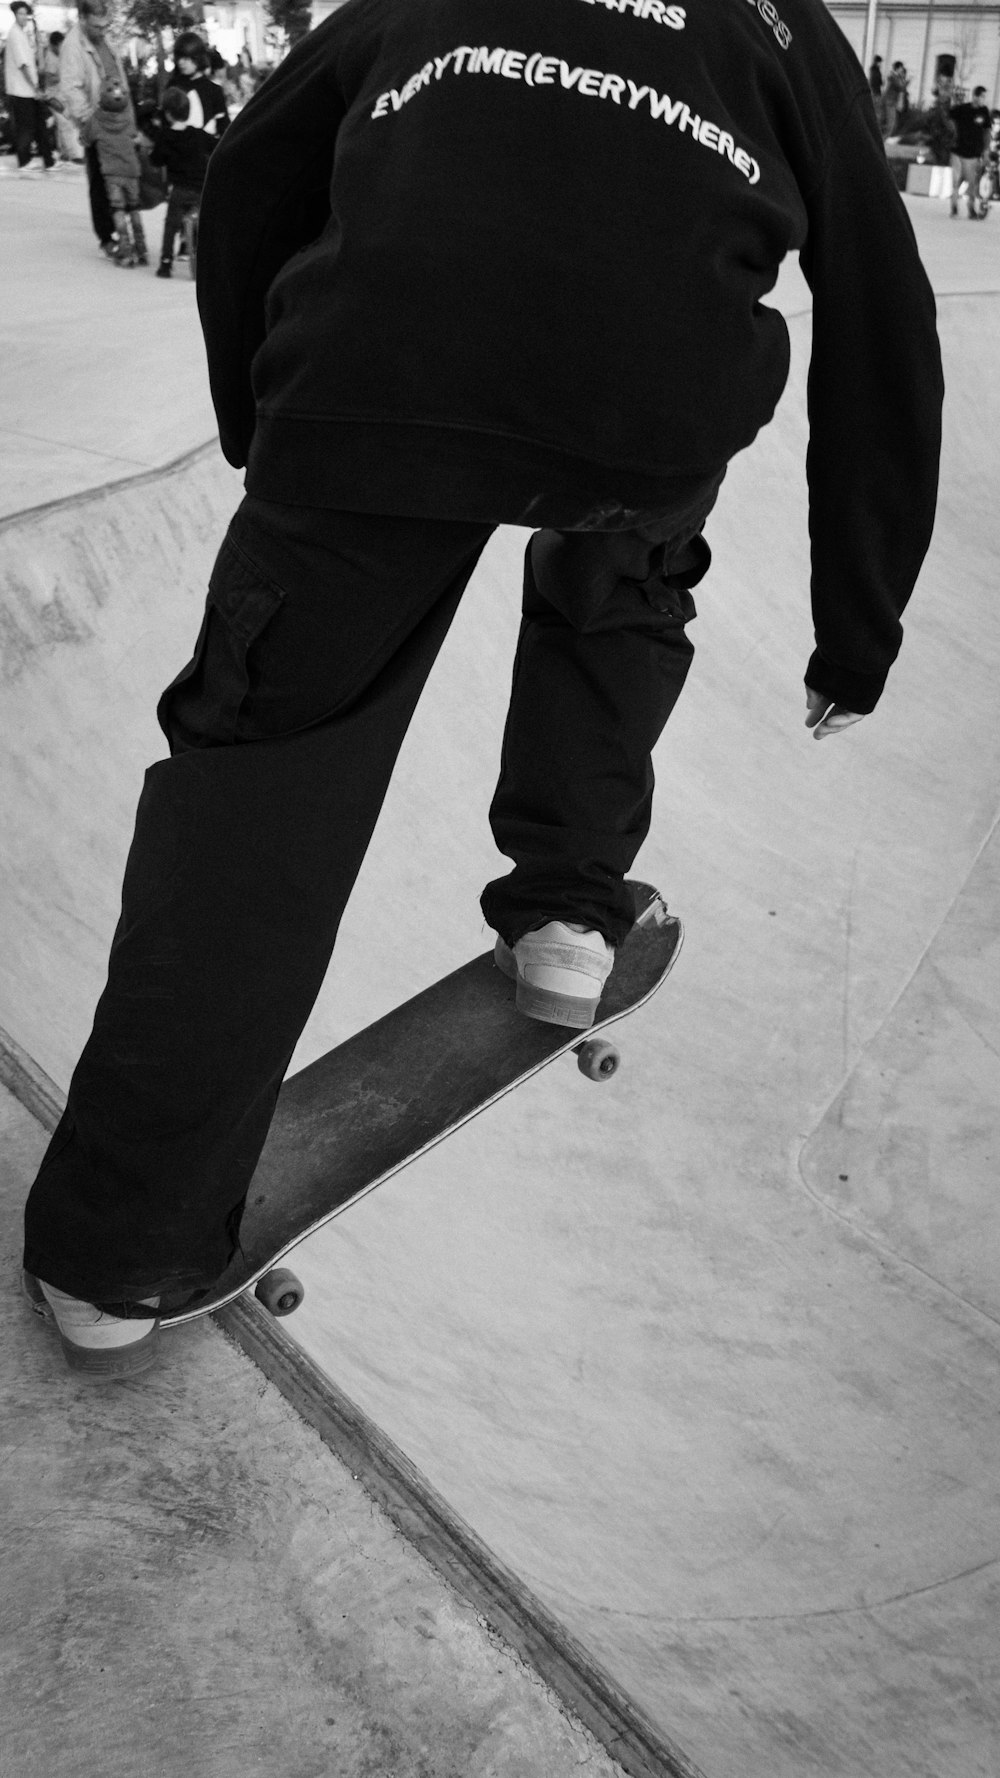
x=368 y=1108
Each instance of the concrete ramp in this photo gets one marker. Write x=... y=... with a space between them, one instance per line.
x=100 y=597
x=907 y=1153
x=192 y=1583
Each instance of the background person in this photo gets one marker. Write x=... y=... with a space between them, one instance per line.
x=972 y=125
x=86 y=61
x=939 y=127
x=183 y=152
x=244 y=76
x=209 y=110
x=206 y=97
x=896 y=99
x=114 y=138
x=28 y=115
x=67 y=135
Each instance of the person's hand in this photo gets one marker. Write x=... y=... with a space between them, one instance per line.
x=825 y=717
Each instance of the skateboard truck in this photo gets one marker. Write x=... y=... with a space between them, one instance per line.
x=597 y=1058
x=280 y=1291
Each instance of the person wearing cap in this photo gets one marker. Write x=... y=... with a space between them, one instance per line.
x=114 y=136
x=86 y=61
x=24 y=92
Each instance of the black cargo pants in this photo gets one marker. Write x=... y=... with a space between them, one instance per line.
x=320 y=631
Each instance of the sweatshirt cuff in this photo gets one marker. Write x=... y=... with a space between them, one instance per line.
x=855 y=691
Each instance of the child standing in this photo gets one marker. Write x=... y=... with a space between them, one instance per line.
x=191 y=75
x=183 y=151
x=114 y=136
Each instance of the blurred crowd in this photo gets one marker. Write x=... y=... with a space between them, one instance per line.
x=956 y=130
x=143 y=133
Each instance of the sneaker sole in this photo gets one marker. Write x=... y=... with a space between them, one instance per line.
x=544 y=1003
x=117 y=1362
x=106 y=1363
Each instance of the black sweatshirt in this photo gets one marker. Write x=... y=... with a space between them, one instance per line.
x=503 y=260
x=184 y=154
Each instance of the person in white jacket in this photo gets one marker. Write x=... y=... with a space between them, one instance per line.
x=86 y=61
x=24 y=93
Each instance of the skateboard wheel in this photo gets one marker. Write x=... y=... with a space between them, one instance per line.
x=280 y=1292
x=597 y=1058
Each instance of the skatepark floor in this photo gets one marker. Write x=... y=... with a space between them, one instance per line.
x=707 y=1356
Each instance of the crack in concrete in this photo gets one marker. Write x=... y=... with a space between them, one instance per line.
x=809 y=1616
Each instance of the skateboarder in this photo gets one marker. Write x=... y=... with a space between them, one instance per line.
x=461 y=265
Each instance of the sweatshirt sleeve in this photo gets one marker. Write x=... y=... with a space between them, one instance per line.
x=875 y=397
x=266 y=197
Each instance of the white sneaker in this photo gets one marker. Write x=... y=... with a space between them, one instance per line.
x=560 y=970
x=99 y=1344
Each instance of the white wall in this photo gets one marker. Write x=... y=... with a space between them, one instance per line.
x=973 y=36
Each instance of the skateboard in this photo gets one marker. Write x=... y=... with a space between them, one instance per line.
x=366 y=1109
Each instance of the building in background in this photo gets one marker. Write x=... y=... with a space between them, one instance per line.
x=914 y=32
x=243 y=25
x=929 y=37
x=230 y=28
x=957 y=39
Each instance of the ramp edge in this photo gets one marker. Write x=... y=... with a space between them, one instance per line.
x=29 y=1084
x=450 y=1546
x=120 y=484
x=419 y=1513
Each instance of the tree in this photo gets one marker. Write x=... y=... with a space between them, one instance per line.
x=294 y=17
x=150 y=18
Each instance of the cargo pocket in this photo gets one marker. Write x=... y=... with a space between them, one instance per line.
x=598 y=580
x=669 y=592
x=672 y=604
x=201 y=707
